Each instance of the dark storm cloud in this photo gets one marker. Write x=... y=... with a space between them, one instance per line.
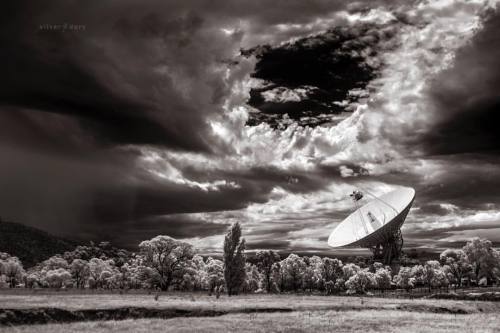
x=439 y=233
x=325 y=67
x=119 y=78
x=177 y=226
x=471 y=181
x=433 y=209
x=467 y=98
x=294 y=181
x=64 y=195
x=42 y=131
x=139 y=73
x=191 y=227
x=136 y=200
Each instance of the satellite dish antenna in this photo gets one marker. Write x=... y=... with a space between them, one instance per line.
x=376 y=225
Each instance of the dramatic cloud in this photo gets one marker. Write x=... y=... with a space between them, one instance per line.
x=467 y=98
x=128 y=76
x=330 y=72
x=128 y=119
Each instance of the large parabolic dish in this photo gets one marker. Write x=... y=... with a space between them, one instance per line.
x=376 y=225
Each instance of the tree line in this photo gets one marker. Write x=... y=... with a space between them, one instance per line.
x=164 y=263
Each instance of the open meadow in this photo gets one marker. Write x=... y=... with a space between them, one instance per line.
x=192 y=312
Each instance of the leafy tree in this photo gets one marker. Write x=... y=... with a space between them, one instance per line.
x=135 y=272
x=350 y=270
x=33 y=280
x=79 y=270
x=107 y=278
x=278 y=277
x=103 y=250
x=167 y=257
x=481 y=256
x=456 y=264
x=329 y=287
x=252 y=278
x=54 y=262
x=377 y=266
x=188 y=280
x=383 y=278
x=265 y=262
x=149 y=277
x=340 y=284
x=404 y=279
x=293 y=267
x=360 y=282
x=308 y=278
x=439 y=279
x=332 y=269
x=317 y=268
x=3 y=282
x=100 y=271
x=418 y=275
x=194 y=277
x=57 y=278
x=124 y=277
x=234 y=260
x=199 y=268
x=12 y=269
x=215 y=274
x=431 y=269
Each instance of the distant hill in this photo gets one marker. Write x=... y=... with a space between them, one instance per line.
x=29 y=244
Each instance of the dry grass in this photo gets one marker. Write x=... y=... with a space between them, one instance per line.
x=302 y=321
x=311 y=313
x=202 y=301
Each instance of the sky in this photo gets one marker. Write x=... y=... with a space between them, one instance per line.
x=123 y=120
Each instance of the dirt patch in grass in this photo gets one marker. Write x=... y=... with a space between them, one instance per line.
x=56 y=315
x=485 y=296
x=432 y=309
x=370 y=321
x=35 y=309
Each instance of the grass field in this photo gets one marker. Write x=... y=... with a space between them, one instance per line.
x=291 y=313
